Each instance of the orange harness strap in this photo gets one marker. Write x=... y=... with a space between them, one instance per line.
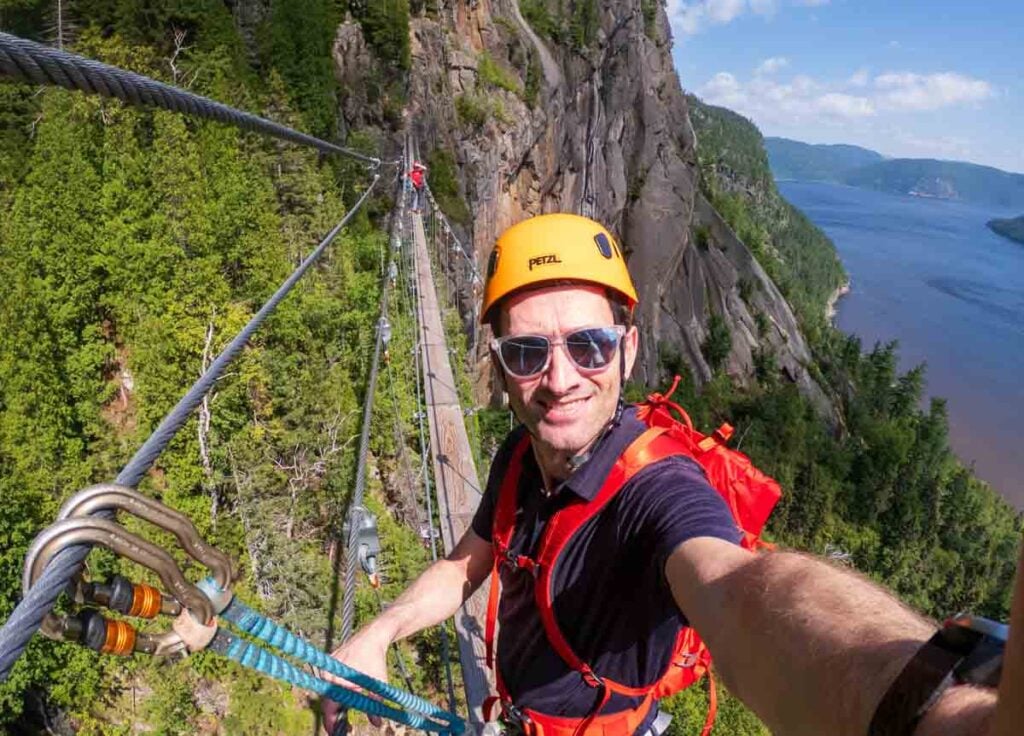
x=750 y=494
x=651 y=446
x=623 y=723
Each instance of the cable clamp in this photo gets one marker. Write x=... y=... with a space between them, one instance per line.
x=367 y=540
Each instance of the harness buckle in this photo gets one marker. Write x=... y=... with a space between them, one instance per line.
x=591 y=678
x=521 y=562
x=687 y=660
x=515 y=717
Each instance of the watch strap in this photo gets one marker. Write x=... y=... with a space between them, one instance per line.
x=931 y=670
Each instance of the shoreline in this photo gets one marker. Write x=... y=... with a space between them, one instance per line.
x=830 y=305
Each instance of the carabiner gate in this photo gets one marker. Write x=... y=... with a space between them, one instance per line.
x=89 y=626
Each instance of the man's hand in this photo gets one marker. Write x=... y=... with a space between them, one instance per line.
x=434 y=596
x=366 y=652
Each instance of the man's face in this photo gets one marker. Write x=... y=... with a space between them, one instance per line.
x=563 y=408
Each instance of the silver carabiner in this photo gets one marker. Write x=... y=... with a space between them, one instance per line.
x=112 y=496
x=115 y=637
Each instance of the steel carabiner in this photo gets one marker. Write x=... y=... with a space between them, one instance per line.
x=90 y=627
x=112 y=496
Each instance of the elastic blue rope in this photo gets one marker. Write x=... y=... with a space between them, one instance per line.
x=291 y=644
x=251 y=656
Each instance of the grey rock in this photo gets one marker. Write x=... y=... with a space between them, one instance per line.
x=609 y=137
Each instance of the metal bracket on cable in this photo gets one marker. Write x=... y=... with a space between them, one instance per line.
x=383 y=325
x=367 y=538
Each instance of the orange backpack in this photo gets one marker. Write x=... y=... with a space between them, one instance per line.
x=751 y=496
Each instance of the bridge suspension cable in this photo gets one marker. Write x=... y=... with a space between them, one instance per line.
x=27 y=616
x=33 y=62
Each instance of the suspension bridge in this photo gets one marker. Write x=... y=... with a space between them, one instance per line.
x=436 y=273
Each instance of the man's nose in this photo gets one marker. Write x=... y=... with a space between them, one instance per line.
x=561 y=375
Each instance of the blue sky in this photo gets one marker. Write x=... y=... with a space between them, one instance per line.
x=903 y=77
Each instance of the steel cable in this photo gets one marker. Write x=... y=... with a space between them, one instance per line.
x=33 y=62
x=355 y=513
x=470 y=261
x=27 y=616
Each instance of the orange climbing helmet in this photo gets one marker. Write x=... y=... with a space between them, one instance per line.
x=555 y=247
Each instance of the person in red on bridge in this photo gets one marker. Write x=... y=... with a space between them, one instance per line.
x=418 y=177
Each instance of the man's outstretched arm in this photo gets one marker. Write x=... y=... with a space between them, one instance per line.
x=811 y=648
x=432 y=598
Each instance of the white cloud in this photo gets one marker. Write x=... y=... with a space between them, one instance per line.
x=909 y=91
x=764 y=7
x=772 y=65
x=771 y=100
x=724 y=89
x=723 y=11
x=692 y=17
x=845 y=106
x=811 y=3
x=859 y=78
x=689 y=17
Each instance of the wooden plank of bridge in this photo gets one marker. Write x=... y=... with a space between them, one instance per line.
x=455 y=477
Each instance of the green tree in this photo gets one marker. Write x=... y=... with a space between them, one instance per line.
x=299 y=49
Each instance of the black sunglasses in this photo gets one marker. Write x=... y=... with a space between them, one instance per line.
x=591 y=349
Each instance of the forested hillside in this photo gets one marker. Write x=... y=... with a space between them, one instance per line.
x=737 y=180
x=860 y=167
x=923 y=177
x=815 y=162
x=134 y=244
x=1012 y=228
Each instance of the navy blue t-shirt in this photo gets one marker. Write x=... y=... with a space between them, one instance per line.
x=611 y=599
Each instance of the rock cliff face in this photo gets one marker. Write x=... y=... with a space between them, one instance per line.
x=608 y=136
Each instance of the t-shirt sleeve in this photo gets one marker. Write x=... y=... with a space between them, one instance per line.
x=676 y=503
x=483 y=519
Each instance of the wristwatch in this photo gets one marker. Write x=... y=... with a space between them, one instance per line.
x=967 y=649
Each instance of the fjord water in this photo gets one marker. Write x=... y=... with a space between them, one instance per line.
x=929 y=274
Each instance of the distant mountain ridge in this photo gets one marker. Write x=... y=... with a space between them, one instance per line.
x=815 y=162
x=860 y=167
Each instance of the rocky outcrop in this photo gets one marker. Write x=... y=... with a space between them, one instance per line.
x=723 y=272
x=360 y=102
x=608 y=136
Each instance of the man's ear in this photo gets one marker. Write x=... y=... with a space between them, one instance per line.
x=630 y=343
x=499 y=372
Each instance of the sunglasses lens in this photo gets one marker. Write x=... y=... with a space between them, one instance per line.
x=526 y=355
x=592 y=349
